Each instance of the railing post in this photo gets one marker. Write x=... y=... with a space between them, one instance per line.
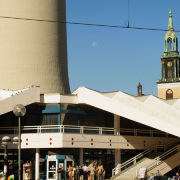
x=157 y=160
x=135 y=132
x=63 y=128
x=40 y=129
x=60 y=128
x=167 y=135
x=135 y=160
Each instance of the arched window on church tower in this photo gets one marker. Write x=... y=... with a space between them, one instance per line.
x=169 y=44
x=169 y=94
x=174 y=44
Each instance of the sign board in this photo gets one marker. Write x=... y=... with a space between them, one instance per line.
x=142 y=173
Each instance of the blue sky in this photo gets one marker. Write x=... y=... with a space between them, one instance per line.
x=113 y=59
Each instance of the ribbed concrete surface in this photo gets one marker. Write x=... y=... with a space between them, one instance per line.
x=33 y=52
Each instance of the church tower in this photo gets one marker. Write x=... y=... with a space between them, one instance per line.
x=169 y=84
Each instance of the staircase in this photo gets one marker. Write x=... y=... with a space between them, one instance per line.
x=165 y=162
x=149 y=159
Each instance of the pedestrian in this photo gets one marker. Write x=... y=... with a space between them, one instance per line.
x=92 y=172
x=100 y=170
x=77 y=172
x=85 y=168
x=81 y=173
x=60 y=171
x=70 y=172
x=73 y=173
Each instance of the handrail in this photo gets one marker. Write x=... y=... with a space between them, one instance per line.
x=84 y=129
x=158 y=159
x=118 y=170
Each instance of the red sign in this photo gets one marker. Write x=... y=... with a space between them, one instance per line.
x=26 y=139
x=110 y=144
x=72 y=143
x=50 y=139
x=91 y=139
x=110 y=140
x=26 y=144
x=91 y=143
x=50 y=143
x=72 y=139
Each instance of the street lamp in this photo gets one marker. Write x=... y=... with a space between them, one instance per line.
x=6 y=140
x=19 y=111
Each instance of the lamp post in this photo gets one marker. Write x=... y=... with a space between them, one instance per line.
x=6 y=140
x=19 y=111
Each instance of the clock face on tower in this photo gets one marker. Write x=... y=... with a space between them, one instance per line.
x=169 y=64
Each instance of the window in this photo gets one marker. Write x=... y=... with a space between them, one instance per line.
x=169 y=44
x=169 y=94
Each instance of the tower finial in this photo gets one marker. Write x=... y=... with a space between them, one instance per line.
x=170 y=25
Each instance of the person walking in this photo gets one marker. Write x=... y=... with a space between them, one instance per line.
x=100 y=170
x=77 y=172
x=60 y=171
x=81 y=173
x=70 y=172
x=73 y=173
x=85 y=168
x=92 y=172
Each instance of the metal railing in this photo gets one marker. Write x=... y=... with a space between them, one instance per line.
x=83 y=130
x=121 y=168
x=160 y=159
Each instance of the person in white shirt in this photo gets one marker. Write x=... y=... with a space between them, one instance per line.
x=85 y=168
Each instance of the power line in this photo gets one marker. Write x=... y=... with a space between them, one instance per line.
x=87 y=24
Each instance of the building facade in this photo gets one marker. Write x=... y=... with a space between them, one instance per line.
x=114 y=129
x=85 y=127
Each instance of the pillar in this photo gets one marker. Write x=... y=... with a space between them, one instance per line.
x=80 y=156
x=116 y=124
x=117 y=157
x=174 y=69
x=178 y=68
x=163 y=70
x=37 y=165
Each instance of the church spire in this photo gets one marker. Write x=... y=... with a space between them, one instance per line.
x=170 y=41
x=170 y=25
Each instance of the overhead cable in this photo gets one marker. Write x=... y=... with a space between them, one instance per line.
x=87 y=24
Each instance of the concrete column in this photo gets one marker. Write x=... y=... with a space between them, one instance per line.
x=80 y=156
x=117 y=157
x=37 y=164
x=116 y=124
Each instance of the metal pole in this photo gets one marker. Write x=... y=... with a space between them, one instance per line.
x=5 y=161
x=19 y=154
